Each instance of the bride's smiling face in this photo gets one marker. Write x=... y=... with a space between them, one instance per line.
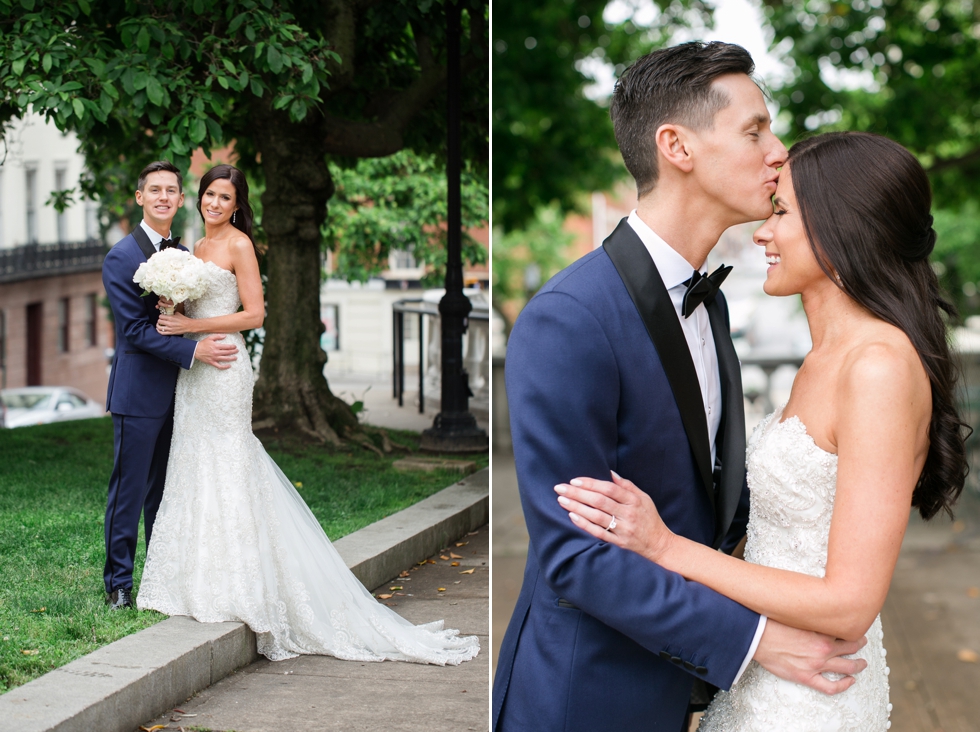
x=793 y=268
x=218 y=202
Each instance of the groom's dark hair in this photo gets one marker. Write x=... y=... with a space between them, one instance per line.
x=670 y=85
x=157 y=166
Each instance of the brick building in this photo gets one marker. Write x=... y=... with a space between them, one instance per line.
x=54 y=329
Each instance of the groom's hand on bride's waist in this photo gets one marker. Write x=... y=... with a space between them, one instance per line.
x=804 y=656
x=213 y=352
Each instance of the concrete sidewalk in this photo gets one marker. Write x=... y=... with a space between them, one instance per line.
x=931 y=617
x=323 y=693
x=381 y=408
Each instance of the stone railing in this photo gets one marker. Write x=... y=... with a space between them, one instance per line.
x=476 y=351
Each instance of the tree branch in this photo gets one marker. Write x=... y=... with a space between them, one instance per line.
x=341 y=22
x=382 y=137
x=946 y=164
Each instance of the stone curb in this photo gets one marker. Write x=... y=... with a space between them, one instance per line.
x=139 y=677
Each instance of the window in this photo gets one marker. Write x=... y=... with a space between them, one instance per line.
x=1 y=208
x=60 y=217
x=30 y=183
x=91 y=220
x=401 y=259
x=91 y=320
x=330 y=338
x=3 y=349
x=63 y=325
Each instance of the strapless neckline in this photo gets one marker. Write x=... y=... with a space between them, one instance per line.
x=797 y=424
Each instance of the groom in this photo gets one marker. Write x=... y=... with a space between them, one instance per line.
x=618 y=364
x=143 y=380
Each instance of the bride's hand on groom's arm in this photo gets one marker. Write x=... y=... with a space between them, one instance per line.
x=618 y=513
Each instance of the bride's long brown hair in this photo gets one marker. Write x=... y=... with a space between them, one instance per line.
x=865 y=202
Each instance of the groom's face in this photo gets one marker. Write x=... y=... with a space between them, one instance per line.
x=737 y=161
x=160 y=198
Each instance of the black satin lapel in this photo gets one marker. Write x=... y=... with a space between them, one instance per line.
x=646 y=289
x=731 y=450
x=146 y=246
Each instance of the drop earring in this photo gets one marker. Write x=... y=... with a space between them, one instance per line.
x=837 y=277
x=233 y=214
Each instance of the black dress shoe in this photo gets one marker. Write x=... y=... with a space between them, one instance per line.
x=118 y=599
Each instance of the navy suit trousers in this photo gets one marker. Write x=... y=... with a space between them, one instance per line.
x=135 y=487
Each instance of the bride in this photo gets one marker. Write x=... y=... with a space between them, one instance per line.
x=233 y=540
x=869 y=430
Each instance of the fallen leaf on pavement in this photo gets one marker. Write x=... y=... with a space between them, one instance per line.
x=468 y=571
x=462 y=543
x=968 y=656
x=154 y=728
x=455 y=556
x=396 y=587
x=431 y=561
x=179 y=711
x=385 y=596
x=443 y=557
x=403 y=574
x=441 y=589
x=454 y=564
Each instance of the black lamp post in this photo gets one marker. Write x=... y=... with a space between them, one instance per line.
x=454 y=428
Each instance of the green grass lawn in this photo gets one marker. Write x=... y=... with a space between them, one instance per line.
x=53 y=483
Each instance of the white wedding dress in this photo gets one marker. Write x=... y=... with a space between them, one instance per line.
x=792 y=482
x=233 y=540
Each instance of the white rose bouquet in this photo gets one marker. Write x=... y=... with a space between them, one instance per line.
x=174 y=274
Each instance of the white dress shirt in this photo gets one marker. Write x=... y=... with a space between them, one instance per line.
x=675 y=271
x=155 y=238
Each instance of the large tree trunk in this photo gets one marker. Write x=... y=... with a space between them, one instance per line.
x=291 y=390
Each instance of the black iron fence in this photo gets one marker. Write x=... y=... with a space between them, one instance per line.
x=32 y=261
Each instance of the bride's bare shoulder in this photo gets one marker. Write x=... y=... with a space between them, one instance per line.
x=883 y=367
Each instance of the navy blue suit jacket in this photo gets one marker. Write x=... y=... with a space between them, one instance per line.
x=599 y=378
x=146 y=364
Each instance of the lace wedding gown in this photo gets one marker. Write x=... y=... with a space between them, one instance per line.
x=793 y=483
x=233 y=540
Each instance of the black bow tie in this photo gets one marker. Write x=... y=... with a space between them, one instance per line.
x=167 y=243
x=702 y=289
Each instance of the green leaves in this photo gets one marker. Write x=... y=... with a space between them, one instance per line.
x=198 y=131
x=154 y=90
x=275 y=59
x=398 y=203
x=143 y=39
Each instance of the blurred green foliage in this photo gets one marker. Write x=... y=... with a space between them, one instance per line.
x=399 y=203
x=525 y=259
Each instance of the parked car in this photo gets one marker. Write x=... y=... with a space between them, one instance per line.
x=45 y=404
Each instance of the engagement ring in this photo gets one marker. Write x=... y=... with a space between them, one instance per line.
x=612 y=524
